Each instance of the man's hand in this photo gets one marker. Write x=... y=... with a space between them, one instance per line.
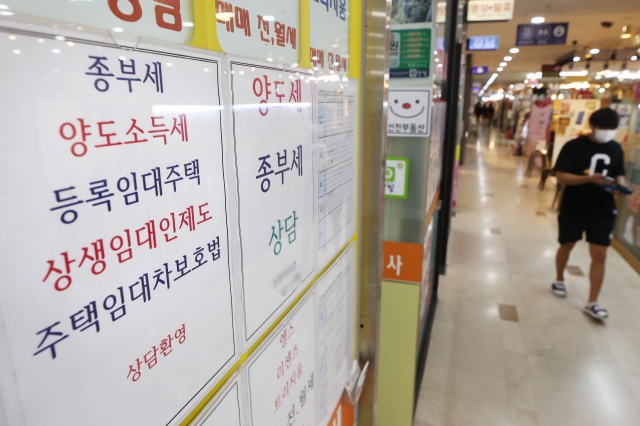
x=598 y=179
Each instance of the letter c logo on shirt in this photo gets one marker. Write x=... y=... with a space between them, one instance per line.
x=594 y=163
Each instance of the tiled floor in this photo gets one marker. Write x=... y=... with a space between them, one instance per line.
x=553 y=366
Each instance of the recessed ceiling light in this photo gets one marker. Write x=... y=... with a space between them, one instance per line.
x=55 y=50
x=514 y=50
x=503 y=64
x=500 y=68
x=634 y=58
x=576 y=59
x=508 y=58
x=16 y=51
x=594 y=51
x=537 y=20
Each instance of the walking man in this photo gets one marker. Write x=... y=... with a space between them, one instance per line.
x=583 y=166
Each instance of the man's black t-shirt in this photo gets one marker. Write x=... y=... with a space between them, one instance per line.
x=583 y=157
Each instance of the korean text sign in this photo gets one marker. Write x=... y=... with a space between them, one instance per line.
x=272 y=126
x=281 y=377
x=115 y=259
x=267 y=30
x=168 y=20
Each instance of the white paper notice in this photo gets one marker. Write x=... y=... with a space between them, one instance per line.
x=335 y=292
x=272 y=127
x=336 y=159
x=163 y=20
x=116 y=298
x=225 y=409
x=409 y=112
x=281 y=376
x=329 y=48
x=266 y=30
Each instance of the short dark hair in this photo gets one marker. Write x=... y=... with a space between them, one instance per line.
x=605 y=118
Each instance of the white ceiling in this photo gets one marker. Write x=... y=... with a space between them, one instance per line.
x=584 y=17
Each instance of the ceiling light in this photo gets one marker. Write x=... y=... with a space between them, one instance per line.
x=537 y=20
x=594 y=51
x=560 y=96
x=598 y=77
x=576 y=59
x=573 y=73
x=3 y=7
x=500 y=68
x=626 y=32
x=601 y=90
x=634 y=58
x=503 y=64
x=59 y=38
x=6 y=13
x=16 y=51
x=508 y=58
x=514 y=50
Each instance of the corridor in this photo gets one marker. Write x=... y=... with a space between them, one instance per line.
x=504 y=350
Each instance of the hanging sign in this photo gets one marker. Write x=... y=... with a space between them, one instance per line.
x=114 y=245
x=551 y=70
x=409 y=112
x=410 y=53
x=489 y=10
x=479 y=70
x=542 y=34
x=483 y=43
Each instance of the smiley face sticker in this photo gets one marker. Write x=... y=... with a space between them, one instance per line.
x=409 y=112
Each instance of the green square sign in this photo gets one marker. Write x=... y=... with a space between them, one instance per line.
x=396 y=178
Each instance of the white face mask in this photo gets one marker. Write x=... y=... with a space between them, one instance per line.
x=604 y=136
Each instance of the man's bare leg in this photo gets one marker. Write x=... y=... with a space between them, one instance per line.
x=596 y=274
x=562 y=257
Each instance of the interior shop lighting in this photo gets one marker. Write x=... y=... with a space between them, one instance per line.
x=537 y=20
x=514 y=50
x=573 y=73
x=601 y=90
x=508 y=58
x=626 y=32
x=500 y=69
x=503 y=64
x=576 y=59
x=634 y=58
x=534 y=75
x=594 y=51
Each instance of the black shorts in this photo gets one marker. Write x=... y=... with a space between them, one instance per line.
x=571 y=228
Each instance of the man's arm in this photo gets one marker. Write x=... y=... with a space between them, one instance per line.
x=570 y=179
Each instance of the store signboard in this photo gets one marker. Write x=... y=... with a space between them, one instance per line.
x=489 y=10
x=551 y=70
x=479 y=70
x=409 y=112
x=542 y=34
x=402 y=261
x=410 y=53
x=396 y=181
x=483 y=43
